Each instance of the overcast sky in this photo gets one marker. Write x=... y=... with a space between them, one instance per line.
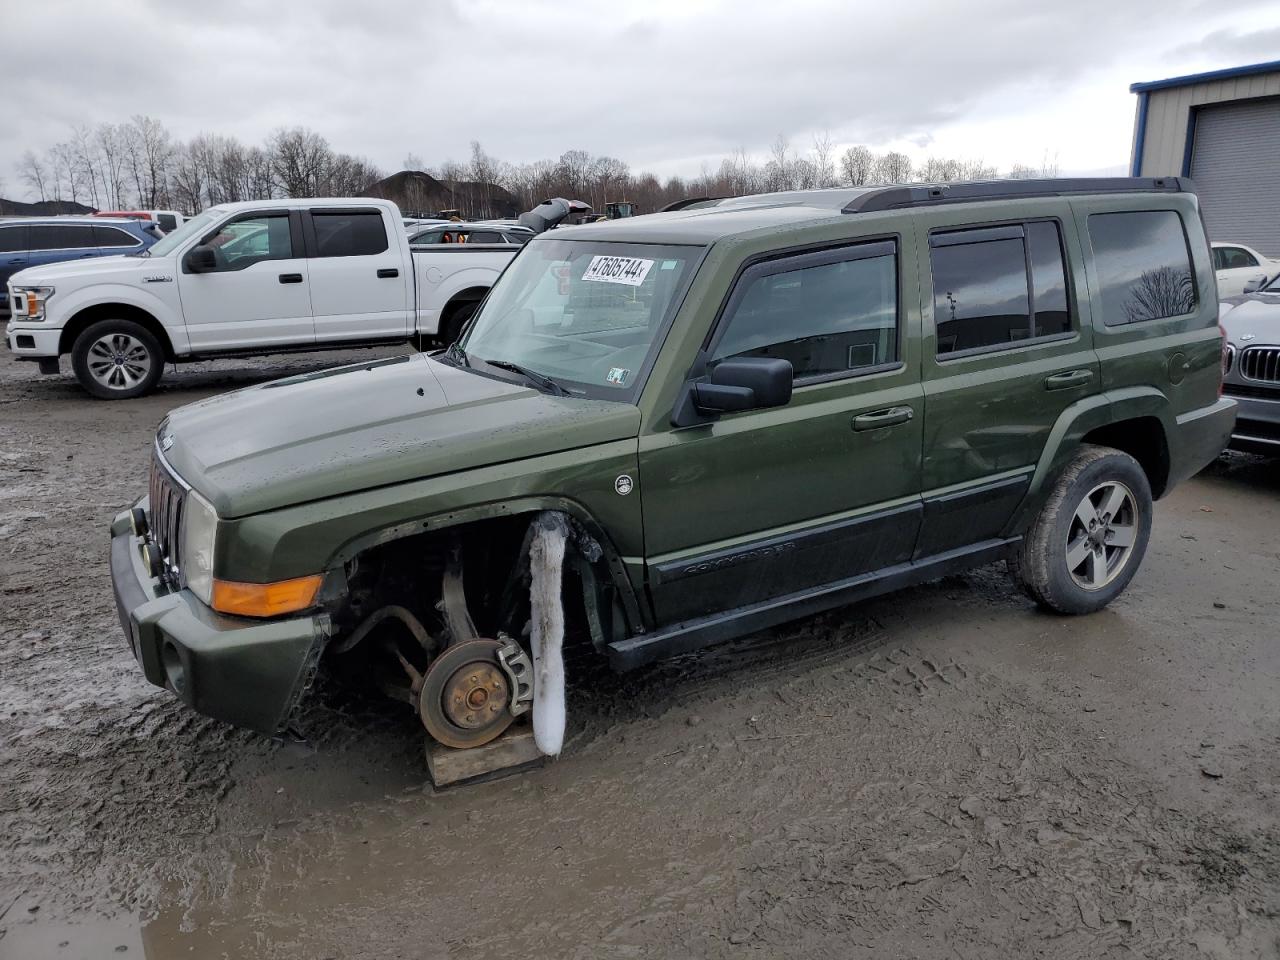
x=665 y=86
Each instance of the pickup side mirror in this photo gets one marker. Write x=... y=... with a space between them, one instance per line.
x=743 y=383
x=201 y=259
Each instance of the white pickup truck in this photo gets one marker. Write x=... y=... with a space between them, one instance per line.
x=244 y=279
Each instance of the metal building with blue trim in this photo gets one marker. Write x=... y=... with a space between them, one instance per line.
x=1222 y=129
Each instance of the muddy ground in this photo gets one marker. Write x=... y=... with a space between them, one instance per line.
x=945 y=772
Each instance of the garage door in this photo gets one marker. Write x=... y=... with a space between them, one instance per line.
x=1236 y=167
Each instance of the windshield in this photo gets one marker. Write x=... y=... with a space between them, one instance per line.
x=585 y=313
x=191 y=228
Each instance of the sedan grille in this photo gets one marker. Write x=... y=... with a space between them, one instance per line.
x=168 y=495
x=1261 y=363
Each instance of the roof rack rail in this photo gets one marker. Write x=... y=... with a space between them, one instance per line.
x=893 y=198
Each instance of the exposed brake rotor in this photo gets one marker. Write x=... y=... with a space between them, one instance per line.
x=466 y=699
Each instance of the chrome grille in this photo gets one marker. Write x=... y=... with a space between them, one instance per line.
x=167 y=495
x=1261 y=363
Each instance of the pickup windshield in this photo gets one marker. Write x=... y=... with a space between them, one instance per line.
x=198 y=225
x=586 y=314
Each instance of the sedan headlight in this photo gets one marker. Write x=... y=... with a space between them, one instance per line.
x=199 y=528
x=31 y=301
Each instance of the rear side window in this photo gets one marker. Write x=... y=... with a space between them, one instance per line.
x=998 y=286
x=827 y=318
x=1232 y=258
x=1143 y=265
x=61 y=236
x=518 y=237
x=168 y=222
x=485 y=236
x=13 y=239
x=357 y=233
x=114 y=237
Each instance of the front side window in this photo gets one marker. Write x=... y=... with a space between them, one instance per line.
x=355 y=233
x=826 y=318
x=1143 y=265
x=195 y=227
x=242 y=243
x=13 y=239
x=587 y=314
x=998 y=286
x=1232 y=258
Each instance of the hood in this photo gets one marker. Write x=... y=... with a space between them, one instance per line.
x=368 y=425
x=1255 y=316
x=89 y=268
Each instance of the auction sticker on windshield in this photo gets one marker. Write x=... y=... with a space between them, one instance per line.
x=628 y=270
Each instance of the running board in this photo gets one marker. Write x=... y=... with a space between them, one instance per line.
x=695 y=634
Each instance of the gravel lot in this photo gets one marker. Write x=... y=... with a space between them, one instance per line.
x=944 y=772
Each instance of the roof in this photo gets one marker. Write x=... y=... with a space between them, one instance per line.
x=77 y=219
x=721 y=218
x=295 y=202
x=711 y=220
x=1272 y=66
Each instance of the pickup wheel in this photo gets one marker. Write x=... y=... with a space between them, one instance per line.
x=455 y=319
x=117 y=359
x=1086 y=543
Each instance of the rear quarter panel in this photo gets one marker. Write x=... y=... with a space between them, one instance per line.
x=445 y=272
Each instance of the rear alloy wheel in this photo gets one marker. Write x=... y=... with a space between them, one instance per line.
x=1086 y=543
x=117 y=359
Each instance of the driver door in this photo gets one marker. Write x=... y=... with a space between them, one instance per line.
x=259 y=295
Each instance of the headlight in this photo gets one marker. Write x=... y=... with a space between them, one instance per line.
x=31 y=300
x=199 y=527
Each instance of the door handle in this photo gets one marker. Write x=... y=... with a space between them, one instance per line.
x=290 y=278
x=387 y=273
x=1064 y=381
x=882 y=418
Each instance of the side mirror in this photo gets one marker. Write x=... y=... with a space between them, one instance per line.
x=745 y=383
x=201 y=259
x=1254 y=285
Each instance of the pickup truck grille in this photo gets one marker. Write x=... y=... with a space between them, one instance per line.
x=168 y=496
x=1261 y=363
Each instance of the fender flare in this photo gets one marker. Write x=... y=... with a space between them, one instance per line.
x=530 y=505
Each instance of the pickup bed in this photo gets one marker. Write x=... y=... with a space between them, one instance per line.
x=245 y=279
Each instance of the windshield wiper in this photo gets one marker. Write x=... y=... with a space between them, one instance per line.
x=455 y=354
x=537 y=379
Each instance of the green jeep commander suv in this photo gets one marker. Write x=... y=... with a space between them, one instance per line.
x=742 y=412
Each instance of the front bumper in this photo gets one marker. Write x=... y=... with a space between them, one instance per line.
x=1257 y=428
x=247 y=672
x=34 y=342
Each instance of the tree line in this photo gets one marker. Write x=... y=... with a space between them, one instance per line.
x=138 y=164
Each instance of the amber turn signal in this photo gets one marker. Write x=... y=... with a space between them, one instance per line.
x=265 y=599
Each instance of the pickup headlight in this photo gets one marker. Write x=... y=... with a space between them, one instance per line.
x=31 y=301
x=199 y=528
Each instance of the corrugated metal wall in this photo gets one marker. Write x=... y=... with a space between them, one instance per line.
x=1236 y=167
x=1169 y=110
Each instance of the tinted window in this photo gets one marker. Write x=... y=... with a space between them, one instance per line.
x=168 y=222
x=349 y=234
x=427 y=236
x=1232 y=258
x=60 y=236
x=13 y=239
x=826 y=319
x=485 y=236
x=1143 y=265
x=518 y=236
x=242 y=243
x=114 y=237
x=980 y=295
x=1048 y=280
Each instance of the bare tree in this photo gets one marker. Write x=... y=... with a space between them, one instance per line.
x=1162 y=292
x=34 y=174
x=857 y=165
x=299 y=158
x=824 y=167
x=894 y=167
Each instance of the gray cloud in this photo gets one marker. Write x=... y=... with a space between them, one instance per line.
x=658 y=84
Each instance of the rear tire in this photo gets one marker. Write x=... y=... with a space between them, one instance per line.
x=455 y=319
x=1090 y=536
x=117 y=359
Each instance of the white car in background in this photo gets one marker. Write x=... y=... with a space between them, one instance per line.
x=1237 y=265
